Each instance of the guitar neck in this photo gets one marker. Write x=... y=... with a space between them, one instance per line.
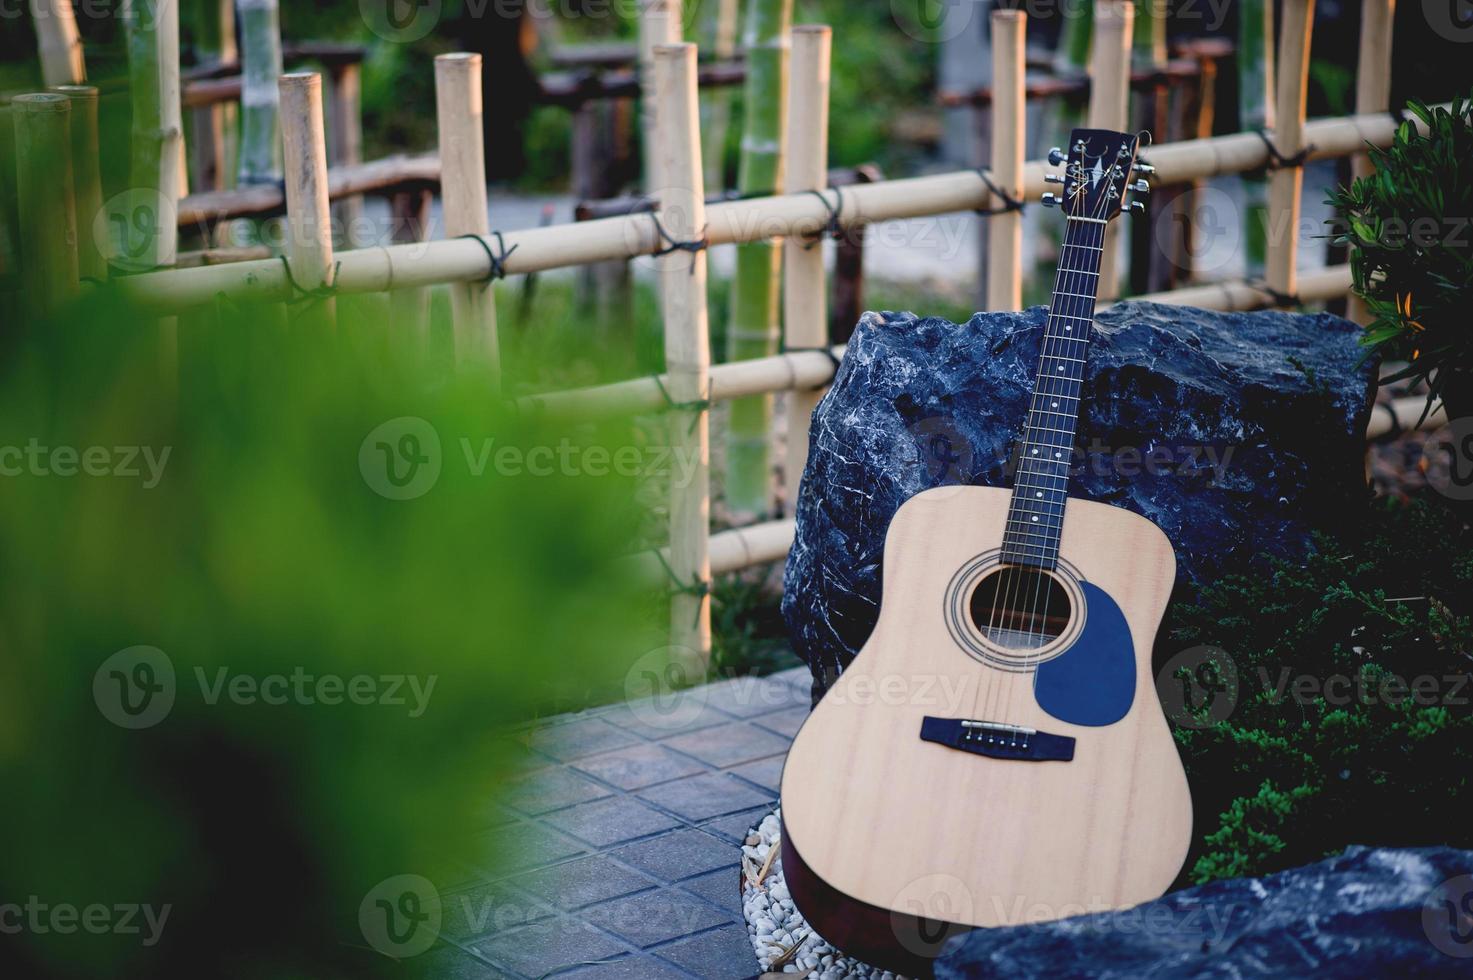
x=1041 y=482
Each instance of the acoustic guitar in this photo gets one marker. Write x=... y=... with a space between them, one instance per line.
x=996 y=753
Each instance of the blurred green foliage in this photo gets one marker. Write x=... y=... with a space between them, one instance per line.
x=1305 y=764
x=266 y=548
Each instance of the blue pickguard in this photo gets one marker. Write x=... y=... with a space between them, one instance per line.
x=1093 y=682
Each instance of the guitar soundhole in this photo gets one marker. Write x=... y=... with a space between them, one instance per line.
x=1020 y=608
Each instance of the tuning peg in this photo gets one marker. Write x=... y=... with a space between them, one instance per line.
x=1138 y=207
x=1052 y=179
x=1141 y=187
x=1143 y=168
x=1050 y=201
x=1055 y=156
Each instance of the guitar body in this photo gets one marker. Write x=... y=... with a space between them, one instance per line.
x=888 y=837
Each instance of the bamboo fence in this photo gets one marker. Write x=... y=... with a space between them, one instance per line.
x=690 y=384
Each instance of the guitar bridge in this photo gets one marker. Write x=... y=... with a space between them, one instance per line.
x=997 y=740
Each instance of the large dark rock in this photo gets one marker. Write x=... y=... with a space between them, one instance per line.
x=1365 y=913
x=1236 y=433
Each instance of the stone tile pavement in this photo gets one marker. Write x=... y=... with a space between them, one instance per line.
x=621 y=844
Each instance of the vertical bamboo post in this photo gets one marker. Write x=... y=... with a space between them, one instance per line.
x=1373 y=70
x=48 y=218
x=1255 y=111
x=157 y=136
x=659 y=23
x=721 y=29
x=58 y=43
x=805 y=319
x=1286 y=184
x=86 y=178
x=1109 y=106
x=687 y=346
x=1005 y=230
x=347 y=143
x=308 y=217
x=754 y=328
x=1372 y=94
x=463 y=200
x=260 y=48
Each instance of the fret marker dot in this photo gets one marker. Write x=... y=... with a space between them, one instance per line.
x=1035 y=520
x=1068 y=328
x=1038 y=494
x=1035 y=452
x=1061 y=367
x=1054 y=404
x=1056 y=455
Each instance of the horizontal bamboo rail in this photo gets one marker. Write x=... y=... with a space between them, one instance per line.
x=758 y=544
x=1314 y=286
x=537 y=249
x=385 y=176
x=572 y=89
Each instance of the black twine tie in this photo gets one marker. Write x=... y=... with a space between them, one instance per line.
x=314 y=295
x=1009 y=202
x=833 y=228
x=497 y=259
x=671 y=245
x=1276 y=159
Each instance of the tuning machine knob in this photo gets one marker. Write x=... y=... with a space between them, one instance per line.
x=1055 y=156
x=1052 y=179
x=1141 y=187
x=1143 y=168
x=1138 y=207
x=1050 y=201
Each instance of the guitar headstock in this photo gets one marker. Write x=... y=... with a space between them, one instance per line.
x=1099 y=174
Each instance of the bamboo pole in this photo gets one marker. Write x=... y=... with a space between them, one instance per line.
x=157 y=135
x=627 y=236
x=805 y=317
x=1372 y=94
x=659 y=23
x=1328 y=283
x=409 y=307
x=463 y=197
x=86 y=178
x=309 y=250
x=1286 y=183
x=261 y=66
x=1373 y=69
x=347 y=143
x=48 y=217
x=1109 y=107
x=1005 y=230
x=58 y=43
x=781 y=372
x=716 y=110
x=754 y=326
x=1255 y=111
x=687 y=345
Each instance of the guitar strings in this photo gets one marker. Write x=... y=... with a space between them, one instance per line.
x=1035 y=625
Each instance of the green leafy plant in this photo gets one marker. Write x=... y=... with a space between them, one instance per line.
x=1351 y=719
x=1411 y=249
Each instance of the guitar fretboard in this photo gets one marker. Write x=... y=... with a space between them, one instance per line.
x=1045 y=455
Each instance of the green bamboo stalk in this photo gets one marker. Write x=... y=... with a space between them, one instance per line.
x=1255 y=110
x=260 y=45
x=48 y=220
x=86 y=178
x=1148 y=41
x=156 y=172
x=719 y=37
x=754 y=327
